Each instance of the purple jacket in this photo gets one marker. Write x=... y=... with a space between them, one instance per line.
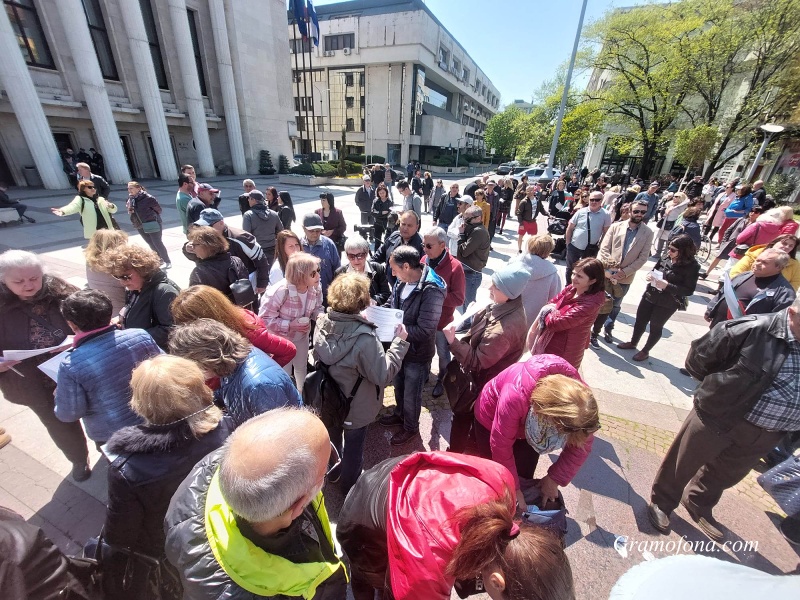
x=503 y=407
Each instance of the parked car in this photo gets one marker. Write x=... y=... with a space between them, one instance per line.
x=536 y=174
x=507 y=168
x=400 y=172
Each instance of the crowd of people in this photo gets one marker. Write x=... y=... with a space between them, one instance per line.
x=272 y=346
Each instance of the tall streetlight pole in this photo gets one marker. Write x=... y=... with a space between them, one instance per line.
x=769 y=130
x=458 y=149
x=562 y=108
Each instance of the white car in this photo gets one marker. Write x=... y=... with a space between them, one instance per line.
x=537 y=174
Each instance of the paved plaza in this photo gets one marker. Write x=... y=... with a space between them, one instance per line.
x=642 y=406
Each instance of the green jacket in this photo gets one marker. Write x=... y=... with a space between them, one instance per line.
x=84 y=206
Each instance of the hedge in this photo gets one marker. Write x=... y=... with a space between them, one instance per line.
x=362 y=158
x=326 y=169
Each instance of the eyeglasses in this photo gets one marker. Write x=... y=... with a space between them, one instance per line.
x=123 y=277
x=359 y=256
x=671 y=249
x=429 y=246
x=638 y=212
x=88 y=187
x=595 y=199
x=570 y=429
x=336 y=463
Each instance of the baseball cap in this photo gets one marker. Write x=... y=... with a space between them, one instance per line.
x=208 y=217
x=207 y=186
x=312 y=221
x=257 y=196
x=467 y=200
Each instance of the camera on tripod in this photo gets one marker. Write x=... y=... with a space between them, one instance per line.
x=366 y=231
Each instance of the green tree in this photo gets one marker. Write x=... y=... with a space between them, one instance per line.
x=694 y=146
x=501 y=131
x=265 y=166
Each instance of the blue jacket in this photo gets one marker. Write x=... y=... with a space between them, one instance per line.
x=740 y=207
x=329 y=260
x=94 y=380
x=421 y=312
x=257 y=385
x=447 y=210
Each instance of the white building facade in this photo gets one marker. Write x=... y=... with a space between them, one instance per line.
x=151 y=84
x=392 y=76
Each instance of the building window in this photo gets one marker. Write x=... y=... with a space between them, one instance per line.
x=198 y=55
x=318 y=75
x=348 y=79
x=152 y=40
x=100 y=39
x=340 y=41
x=361 y=79
x=298 y=46
x=465 y=75
x=351 y=125
x=363 y=125
x=350 y=101
x=444 y=57
x=456 y=67
x=30 y=35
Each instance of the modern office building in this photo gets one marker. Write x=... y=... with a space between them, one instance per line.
x=151 y=84
x=392 y=76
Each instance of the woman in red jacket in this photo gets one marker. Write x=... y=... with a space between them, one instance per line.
x=202 y=301
x=563 y=326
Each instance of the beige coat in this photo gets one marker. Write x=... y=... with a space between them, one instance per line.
x=638 y=252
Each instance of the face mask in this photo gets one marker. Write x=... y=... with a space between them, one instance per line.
x=542 y=435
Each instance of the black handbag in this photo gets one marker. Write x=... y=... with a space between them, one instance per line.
x=243 y=293
x=124 y=574
x=460 y=388
x=322 y=392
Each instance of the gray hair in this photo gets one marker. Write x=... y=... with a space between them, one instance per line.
x=264 y=498
x=780 y=257
x=248 y=182
x=473 y=211
x=356 y=243
x=18 y=259
x=437 y=232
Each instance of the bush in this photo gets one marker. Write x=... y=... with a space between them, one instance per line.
x=265 y=166
x=318 y=169
x=362 y=158
x=782 y=186
x=283 y=164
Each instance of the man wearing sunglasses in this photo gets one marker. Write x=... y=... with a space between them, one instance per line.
x=624 y=250
x=585 y=230
x=249 y=523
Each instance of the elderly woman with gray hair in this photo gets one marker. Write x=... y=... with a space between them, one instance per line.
x=357 y=251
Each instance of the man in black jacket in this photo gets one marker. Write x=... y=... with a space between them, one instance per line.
x=244 y=199
x=406 y=235
x=694 y=188
x=365 y=195
x=100 y=184
x=748 y=398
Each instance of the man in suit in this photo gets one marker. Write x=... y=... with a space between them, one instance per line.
x=364 y=198
x=100 y=184
x=624 y=249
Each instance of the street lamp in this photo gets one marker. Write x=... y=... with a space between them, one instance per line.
x=769 y=130
x=458 y=149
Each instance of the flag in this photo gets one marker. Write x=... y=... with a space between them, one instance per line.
x=313 y=23
x=299 y=11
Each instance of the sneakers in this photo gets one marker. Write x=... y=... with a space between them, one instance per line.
x=708 y=525
x=81 y=472
x=658 y=518
x=608 y=337
x=593 y=341
x=391 y=420
x=403 y=437
x=438 y=389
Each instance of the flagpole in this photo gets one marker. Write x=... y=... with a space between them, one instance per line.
x=305 y=89
x=313 y=111
x=297 y=81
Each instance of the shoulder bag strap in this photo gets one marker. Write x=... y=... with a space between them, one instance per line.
x=46 y=324
x=589 y=227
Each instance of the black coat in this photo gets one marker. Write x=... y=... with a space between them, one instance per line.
x=150 y=308
x=682 y=280
x=219 y=272
x=379 y=289
x=145 y=209
x=364 y=199
x=383 y=253
x=147 y=466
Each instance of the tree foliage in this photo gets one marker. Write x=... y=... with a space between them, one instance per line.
x=500 y=131
x=694 y=146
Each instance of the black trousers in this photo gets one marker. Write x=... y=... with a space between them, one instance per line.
x=654 y=315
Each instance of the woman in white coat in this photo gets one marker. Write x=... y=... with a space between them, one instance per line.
x=673 y=209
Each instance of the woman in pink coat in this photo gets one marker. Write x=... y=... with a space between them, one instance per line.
x=533 y=408
x=564 y=326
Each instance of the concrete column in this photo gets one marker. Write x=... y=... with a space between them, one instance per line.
x=94 y=89
x=17 y=82
x=229 y=101
x=148 y=89
x=182 y=40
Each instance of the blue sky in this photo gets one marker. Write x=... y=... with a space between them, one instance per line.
x=518 y=43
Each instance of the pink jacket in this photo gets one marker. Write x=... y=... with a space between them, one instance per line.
x=503 y=407
x=760 y=232
x=282 y=305
x=790 y=227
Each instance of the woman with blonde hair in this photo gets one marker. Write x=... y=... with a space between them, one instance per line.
x=673 y=209
x=544 y=282
x=533 y=408
x=288 y=308
x=95 y=210
x=786 y=216
x=205 y=302
x=480 y=200
x=149 y=461
x=97 y=278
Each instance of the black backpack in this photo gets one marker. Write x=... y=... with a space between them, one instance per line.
x=321 y=392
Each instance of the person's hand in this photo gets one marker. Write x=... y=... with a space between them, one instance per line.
x=521 y=503
x=449 y=333
x=57 y=211
x=549 y=489
x=400 y=331
x=5 y=365
x=261 y=290
x=299 y=327
x=435 y=222
x=707 y=318
x=649 y=277
x=661 y=284
x=327 y=232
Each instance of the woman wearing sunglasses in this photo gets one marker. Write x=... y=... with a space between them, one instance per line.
x=289 y=307
x=533 y=408
x=356 y=249
x=95 y=211
x=666 y=293
x=150 y=291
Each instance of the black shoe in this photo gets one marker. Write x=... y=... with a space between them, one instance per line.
x=438 y=389
x=593 y=341
x=608 y=337
x=684 y=372
x=81 y=472
x=391 y=420
x=403 y=437
x=703 y=275
x=708 y=525
x=30 y=220
x=658 y=518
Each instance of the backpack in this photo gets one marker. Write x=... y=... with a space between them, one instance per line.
x=321 y=392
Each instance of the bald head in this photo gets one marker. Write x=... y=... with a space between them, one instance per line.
x=272 y=462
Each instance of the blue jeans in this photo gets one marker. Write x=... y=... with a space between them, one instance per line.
x=473 y=282
x=352 y=455
x=574 y=254
x=443 y=352
x=616 y=308
x=408 y=385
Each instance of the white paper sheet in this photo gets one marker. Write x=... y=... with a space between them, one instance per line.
x=50 y=367
x=386 y=319
x=23 y=354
